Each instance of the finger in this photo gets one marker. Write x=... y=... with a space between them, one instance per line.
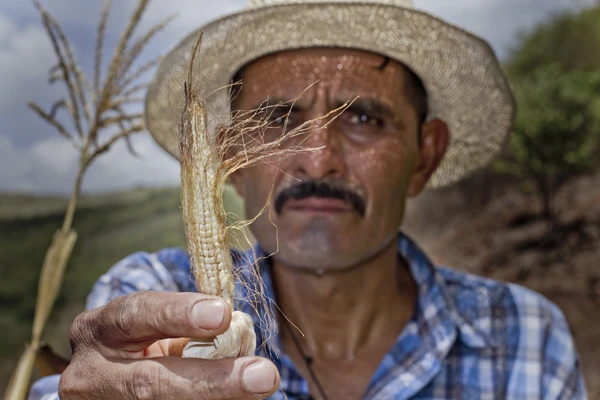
x=169 y=378
x=132 y=323
x=189 y=378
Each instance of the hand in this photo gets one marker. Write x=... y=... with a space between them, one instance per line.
x=111 y=348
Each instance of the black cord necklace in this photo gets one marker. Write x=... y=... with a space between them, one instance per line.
x=308 y=360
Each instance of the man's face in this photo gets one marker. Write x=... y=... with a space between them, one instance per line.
x=342 y=202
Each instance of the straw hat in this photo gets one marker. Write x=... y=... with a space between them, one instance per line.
x=465 y=84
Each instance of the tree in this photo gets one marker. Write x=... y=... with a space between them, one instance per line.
x=555 y=74
x=100 y=105
x=557 y=131
x=570 y=39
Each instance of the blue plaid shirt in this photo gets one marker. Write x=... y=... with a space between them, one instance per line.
x=469 y=338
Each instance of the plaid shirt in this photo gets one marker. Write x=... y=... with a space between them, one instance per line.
x=469 y=338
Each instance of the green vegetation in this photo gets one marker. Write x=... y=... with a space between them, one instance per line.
x=557 y=131
x=570 y=39
x=110 y=228
x=555 y=73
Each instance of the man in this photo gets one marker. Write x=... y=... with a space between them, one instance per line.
x=379 y=321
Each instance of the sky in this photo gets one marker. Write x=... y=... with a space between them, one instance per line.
x=35 y=159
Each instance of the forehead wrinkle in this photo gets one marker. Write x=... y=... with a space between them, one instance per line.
x=375 y=96
x=349 y=73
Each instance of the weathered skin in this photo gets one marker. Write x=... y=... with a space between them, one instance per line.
x=355 y=278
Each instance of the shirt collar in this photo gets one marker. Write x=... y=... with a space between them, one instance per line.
x=434 y=296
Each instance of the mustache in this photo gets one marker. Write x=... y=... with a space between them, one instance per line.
x=321 y=189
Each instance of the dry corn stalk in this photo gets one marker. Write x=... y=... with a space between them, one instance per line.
x=92 y=107
x=206 y=162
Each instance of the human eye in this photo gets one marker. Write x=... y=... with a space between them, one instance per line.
x=276 y=115
x=284 y=118
x=277 y=118
x=359 y=119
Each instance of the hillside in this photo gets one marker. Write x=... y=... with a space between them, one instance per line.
x=494 y=233
x=109 y=226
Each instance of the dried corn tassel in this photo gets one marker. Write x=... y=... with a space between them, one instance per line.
x=206 y=162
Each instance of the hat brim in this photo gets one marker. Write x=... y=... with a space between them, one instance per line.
x=466 y=86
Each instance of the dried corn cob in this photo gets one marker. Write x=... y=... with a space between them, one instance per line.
x=204 y=217
x=202 y=206
x=206 y=162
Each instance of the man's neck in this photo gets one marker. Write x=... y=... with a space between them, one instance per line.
x=348 y=313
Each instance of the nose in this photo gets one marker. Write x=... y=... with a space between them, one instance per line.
x=325 y=156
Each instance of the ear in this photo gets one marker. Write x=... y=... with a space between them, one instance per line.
x=434 y=143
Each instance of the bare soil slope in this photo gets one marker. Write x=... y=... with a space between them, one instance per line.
x=496 y=234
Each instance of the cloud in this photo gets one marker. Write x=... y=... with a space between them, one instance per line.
x=25 y=58
x=498 y=21
x=118 y=169
x=50 y=166
x=191 y=14
x=34 y=158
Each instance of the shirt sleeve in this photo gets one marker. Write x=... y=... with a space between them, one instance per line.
x=546 y=365
x=165 y=271
x=562 y=375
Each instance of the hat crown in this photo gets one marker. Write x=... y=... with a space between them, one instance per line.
x=398 y=3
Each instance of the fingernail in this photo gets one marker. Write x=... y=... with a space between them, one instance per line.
x=209 y=314
x=259 y=377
